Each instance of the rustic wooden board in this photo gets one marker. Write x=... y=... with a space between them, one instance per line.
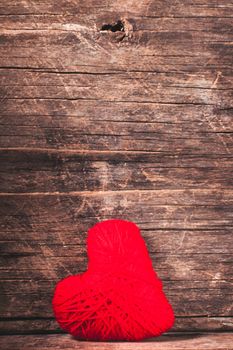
x=135 y=125
x=63 y=171
x=222 y=341
x=188 y=237
x=48 y=325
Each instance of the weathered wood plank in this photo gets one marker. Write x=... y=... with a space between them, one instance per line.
x=207 y=8
x=210 y=341
x=115 y=88
x=148 y=34
x=38 y=231
x=139 y=204
x=72 y=124
x=198 y=241
x=81 y=134
x=68 y=22
x=208 y=57
x=199 y=302
x=191 y=44
x=49 y=79
x=136 y=125
x=49 y=325
x=213 y=56
x=215 y=283
x=46 y=171
x=70 y=138
x=189 y=267
x=110 y=111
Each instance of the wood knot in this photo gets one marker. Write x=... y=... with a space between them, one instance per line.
x=116 y=27
x=118 y=30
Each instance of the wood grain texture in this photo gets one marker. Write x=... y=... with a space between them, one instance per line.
x=188 y=237
x=222 y=341
x=48 y=325
x=135 y=125
x=63 y=171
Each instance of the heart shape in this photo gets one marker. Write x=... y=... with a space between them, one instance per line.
x=120 y=296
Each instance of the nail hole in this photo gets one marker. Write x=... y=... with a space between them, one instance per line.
x=116 y=27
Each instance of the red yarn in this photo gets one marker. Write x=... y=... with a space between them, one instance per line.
x=120 y=296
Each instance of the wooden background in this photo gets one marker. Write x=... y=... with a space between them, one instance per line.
x=135 y=124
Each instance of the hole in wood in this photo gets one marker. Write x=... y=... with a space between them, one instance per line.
x=116 y=27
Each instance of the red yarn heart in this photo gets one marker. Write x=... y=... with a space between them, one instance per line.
x=120 y=296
